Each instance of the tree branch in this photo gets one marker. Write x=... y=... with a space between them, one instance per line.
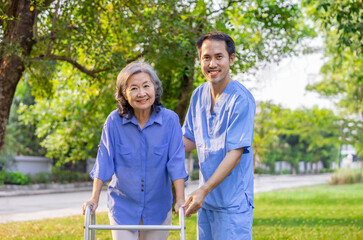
x=224 y=8
x=49 y=44
x=81 y=68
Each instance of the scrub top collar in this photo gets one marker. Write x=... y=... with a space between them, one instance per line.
x=221 y=99
x=154 y=118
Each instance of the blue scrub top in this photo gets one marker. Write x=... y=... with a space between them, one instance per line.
x=230 y=126
x=142 y=164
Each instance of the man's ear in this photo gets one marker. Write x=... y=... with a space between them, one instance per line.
x=231 y=59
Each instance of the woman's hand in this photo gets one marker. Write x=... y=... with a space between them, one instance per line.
x=178 y=204
x=93 y=203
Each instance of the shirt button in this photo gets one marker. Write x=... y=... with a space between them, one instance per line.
x=142 y=190
x=142 y=180
x=142 y=185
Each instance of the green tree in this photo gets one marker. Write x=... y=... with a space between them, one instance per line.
x=308 y=135
x=21 y=138
x=78 y=47
x=341 y=24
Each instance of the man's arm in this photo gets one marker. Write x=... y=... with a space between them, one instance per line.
x=189 y=145
x=195 y=199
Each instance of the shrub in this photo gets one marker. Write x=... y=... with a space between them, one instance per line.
x=194 y=175
x=285 y=172
x=347 y=176
x=41 y=177
x=66 y=176
x=2 y=177
x=16 y=178
x=259 y=170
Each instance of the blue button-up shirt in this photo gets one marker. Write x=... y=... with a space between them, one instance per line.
x=142 y=164
x=230 y=126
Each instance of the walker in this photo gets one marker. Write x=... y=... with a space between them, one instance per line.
x=89 y=229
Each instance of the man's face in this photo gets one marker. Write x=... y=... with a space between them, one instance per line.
x=215 y=62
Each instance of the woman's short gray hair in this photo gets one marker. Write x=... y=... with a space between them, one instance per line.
x=124 y=108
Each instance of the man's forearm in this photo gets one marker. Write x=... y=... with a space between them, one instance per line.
x=189 y=145
x=229 y=162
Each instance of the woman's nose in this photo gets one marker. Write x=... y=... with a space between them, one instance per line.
x=141 y=92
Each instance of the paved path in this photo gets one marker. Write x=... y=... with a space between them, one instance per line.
x=53 y=205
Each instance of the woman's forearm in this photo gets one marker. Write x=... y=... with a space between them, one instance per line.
x=179 y=189
x=97 y=187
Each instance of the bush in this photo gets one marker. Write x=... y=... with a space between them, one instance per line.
x=2 y=177
x=17 y=178
x=285 y=172
x=261 y=171
x=194 y=175
x=42 y=177
x=347 y=176
x=66 y=176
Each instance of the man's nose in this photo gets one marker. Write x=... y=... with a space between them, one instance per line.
x=212 y=63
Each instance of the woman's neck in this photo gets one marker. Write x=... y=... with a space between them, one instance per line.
x=142 y=117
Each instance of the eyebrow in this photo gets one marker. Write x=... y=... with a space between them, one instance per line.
x=220 y=53
x=146 y=81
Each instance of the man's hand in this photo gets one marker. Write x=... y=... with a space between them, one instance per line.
x=195 y=201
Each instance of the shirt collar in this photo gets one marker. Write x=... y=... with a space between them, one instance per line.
x=154 y=118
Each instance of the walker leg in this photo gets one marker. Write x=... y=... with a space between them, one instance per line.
x=93 y=222
x=182 y=223
x=86 y=223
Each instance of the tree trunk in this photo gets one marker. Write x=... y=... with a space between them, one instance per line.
x=18 y=35
x=187 y=86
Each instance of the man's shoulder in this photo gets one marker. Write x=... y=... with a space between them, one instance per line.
x=240 y=90
x=201 y=88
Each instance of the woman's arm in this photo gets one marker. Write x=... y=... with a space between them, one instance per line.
x=179 y=194
x=97 y=187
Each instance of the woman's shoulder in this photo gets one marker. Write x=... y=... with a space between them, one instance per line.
x=113 y=116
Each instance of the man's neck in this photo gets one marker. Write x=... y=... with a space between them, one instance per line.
x=216 y=91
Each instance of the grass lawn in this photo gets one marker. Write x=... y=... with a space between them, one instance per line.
x=318 y=212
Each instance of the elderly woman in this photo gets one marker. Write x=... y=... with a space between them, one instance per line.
x=141 y=148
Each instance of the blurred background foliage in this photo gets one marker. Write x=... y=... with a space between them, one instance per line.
x=67 y=88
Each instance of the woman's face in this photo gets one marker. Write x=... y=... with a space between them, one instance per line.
x=140 y=92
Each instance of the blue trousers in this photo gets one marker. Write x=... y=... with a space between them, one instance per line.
x=213 y=225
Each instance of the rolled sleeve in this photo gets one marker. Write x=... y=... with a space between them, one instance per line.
x=176 y=155
x=104 y=165
x=188 y=125
x=241 y=125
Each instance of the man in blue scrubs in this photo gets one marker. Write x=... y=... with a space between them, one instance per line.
x=219 y=124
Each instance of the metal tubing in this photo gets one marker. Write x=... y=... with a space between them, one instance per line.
x=182 y=223
x=92 y=227
x=135 y=227
x=86 y=222
x=93 y=222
